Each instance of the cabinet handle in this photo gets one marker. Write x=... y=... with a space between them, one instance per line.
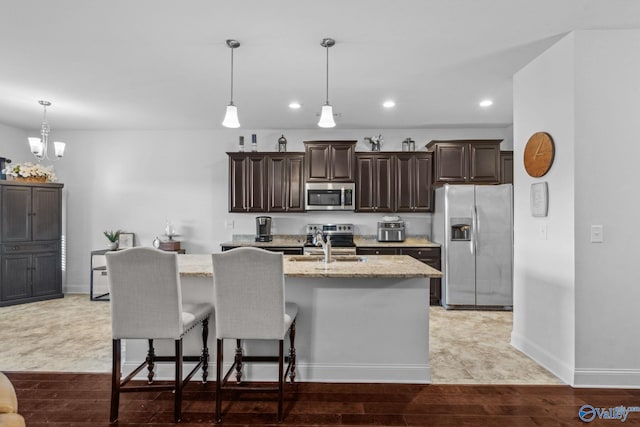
x=377 y=252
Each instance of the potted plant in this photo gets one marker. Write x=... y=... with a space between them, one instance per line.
x=112 y=236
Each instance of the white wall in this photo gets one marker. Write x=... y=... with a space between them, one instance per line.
x=606 y=158
x=575 y=302
x=136 y=180
x=544 y=312
x=13 y=144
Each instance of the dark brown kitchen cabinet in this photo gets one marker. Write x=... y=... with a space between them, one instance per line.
x=375 y=182
x=426 y=255
x=286 y=250
x=414 y=185
x=247 y=182
x=285 y=181
x=329 y=160
x=30 y=242
x=506 y=167
x=466 y=161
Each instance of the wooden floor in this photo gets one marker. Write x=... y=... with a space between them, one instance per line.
x=75 y=400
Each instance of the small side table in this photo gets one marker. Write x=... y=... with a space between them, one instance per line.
x=99 y=285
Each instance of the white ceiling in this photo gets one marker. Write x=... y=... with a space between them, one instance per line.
x=163 y=64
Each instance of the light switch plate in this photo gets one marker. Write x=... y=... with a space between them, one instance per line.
x=228 y=224
x=597 y=234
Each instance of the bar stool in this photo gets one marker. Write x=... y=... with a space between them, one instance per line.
x=146 y=303
x=249 y=295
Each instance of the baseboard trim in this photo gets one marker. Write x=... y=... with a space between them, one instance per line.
x=607 y=378
x=545 y=359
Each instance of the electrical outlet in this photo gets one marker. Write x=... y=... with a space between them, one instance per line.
x=228 y=224
x=597 y=234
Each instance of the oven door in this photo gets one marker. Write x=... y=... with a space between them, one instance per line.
x=314 y=250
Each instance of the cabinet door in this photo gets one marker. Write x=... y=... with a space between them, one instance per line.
x=16 y=213
x=256 y=184
x=16 y=274
x=247 y=182
x=451 y=163
x=341 y=162
x=285 y=182
x=423 y=183
x=404 y=182
x=506 y=167
x=365 y=201
x=484 y=163
x=237 y=182
x=46 y=275
x=318 y=160
x=45 y=215
x=295 y=179
x=383 y=179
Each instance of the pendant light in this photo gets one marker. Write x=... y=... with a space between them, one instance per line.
x=326 y=118
x=231 y=116
x=40 y=146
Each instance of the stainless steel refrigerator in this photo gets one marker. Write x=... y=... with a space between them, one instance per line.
x=474 y=225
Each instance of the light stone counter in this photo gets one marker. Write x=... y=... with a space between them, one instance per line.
x=371 y=266
x=410 y=242
x=285 y=240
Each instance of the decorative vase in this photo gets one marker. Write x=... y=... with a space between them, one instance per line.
x=113 y=246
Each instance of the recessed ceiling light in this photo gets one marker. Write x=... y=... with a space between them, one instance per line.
x=486 y=103
x=388 y=104
x=295 y=105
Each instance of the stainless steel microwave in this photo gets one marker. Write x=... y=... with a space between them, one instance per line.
x=330 y=196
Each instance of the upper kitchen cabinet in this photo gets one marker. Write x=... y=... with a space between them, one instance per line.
x=285 y=182
x=506 y=167
x=474 y=161
x=330 y=160
x=414 y=185
x=375 y=182
x=247 y=182
x=30 y=212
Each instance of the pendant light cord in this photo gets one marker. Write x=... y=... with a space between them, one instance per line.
x=327 y=102
x=231 y=101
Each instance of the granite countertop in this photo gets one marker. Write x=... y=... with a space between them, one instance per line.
x=292 y=240
x=411 y=241
x=381 y=266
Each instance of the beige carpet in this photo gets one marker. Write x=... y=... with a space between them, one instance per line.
x=73 y=334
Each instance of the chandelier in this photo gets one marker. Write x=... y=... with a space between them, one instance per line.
x=39 y=146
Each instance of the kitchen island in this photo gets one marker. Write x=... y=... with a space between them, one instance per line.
x=361 y=319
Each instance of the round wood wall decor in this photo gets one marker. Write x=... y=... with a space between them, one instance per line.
x=538 y=154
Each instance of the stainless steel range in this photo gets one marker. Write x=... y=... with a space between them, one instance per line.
x=341 y=239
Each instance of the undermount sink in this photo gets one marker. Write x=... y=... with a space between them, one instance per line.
x=336 y=258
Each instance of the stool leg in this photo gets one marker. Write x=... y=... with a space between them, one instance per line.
x=150 y=361
x=177 y=413
x=280 y=378
x=219 y=360
x=292 y=351
x=115 y=381
x=205 y=350
x=238 y=361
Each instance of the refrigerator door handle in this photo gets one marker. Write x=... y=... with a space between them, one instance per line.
x=475 y=232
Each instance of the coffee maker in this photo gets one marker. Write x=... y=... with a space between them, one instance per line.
x=263 y=229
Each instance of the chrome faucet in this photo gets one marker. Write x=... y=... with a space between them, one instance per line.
x=318 y=240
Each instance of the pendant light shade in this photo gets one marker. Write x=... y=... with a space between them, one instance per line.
x=231 y=116
x=326 y=117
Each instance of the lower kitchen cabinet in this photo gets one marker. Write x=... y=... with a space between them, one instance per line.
x=287 y=250
x=429 y=256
